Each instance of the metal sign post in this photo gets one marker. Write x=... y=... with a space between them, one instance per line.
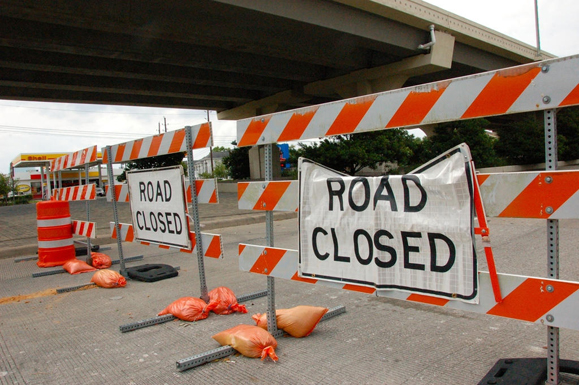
x=195 y=215
x=111 y=179
x=550 y=121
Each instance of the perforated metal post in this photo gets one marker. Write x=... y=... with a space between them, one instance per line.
x=87 y=180
x=111 y=179
x=271 y=317
x=42 y=183
x=195 y=214
x=550 y=121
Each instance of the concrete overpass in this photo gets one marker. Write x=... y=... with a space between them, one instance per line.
x=239 y=57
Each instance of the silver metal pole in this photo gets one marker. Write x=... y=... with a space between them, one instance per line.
x=271 y=316
x=111 y=181
x=550 y=122
x=88 y=245
x=537 y=28
x=195 y=215
x=42 y=182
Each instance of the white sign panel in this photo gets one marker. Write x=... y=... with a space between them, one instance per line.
x=409 y=232
x=158 y=206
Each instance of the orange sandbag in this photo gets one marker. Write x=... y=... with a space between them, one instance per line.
x=299 y=321
x=100 y=260
x=75 y=266
x=188 y=309
x=249 y=340
x=224 y=301
x=108 y=279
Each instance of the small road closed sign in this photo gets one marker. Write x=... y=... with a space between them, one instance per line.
x=409 y=232
x=158 y=207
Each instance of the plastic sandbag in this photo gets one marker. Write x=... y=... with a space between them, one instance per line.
x=75 y=266
x=249 y=340
x=224 y=301
x=100 y=260
x=299 y=321
x=108 y=279
x=188 y=309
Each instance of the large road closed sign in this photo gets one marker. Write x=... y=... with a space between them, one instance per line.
x=409 y=232
x=158 y=207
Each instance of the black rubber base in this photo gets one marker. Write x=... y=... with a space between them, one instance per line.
x=82 y=249
x=525 y=371
x=151 y=272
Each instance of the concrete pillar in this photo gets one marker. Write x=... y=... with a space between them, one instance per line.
x=257 y=165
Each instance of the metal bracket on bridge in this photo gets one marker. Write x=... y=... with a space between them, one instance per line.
x=224 y=351
x=169 y=317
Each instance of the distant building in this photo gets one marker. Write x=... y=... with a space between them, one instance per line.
x=203 y=165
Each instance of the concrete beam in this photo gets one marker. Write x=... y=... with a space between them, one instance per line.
x=388 y=77
x=267 y=105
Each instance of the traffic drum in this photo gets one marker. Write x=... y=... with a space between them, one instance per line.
x=54 y=226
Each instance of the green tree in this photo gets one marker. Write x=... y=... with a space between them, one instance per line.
x=472 y=132
x=351 y=153
x=5 y=185
x=523 y=140
x=568 y=133
x=152 y=162
x=237 y=162
x=219 y=171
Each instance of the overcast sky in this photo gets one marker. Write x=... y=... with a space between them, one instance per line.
x=61 y=127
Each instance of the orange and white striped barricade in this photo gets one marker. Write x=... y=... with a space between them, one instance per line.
x=82 y=160
x=206 y=192
x=544 y=85
x=212 y=244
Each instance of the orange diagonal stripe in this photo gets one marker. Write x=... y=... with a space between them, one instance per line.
x=482 y=178
x=415 y=107
x=214 y=249
x=136 y=149
x=508 y=86
x=267 y=261
x=296 y=277
x=177 y=141
x=427 y=299
x=360 y=289
x=120 y=152
x=254 y=131
x=572 y=98
x=241 y=187
x=203 y=136
x=297 y=125
x=271 y=195
x=530 y=300
x=155 y=144
x=213 y=198
x=351 y=115
x=538 y=195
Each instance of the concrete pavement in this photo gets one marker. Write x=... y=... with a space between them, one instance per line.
x=74 y=338
x=18 y=223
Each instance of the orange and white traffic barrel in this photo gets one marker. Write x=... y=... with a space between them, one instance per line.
x=54 y=226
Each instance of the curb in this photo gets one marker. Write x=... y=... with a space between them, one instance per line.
x=210 y=224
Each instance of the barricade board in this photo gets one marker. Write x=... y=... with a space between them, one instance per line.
x=412 y=232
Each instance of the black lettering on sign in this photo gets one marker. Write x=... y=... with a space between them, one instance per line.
x=337 y=256
x=142 y=193
x=382 y=247
x=330 y=182
x=408 y=208
x=360 y=258
x=317 y=230
x=407 y=248
x=366 y=200
x=432 y=237
x=379 y=196
x=168 y=191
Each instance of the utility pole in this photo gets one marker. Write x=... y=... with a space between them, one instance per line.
x=537 y=28
x=210 y=149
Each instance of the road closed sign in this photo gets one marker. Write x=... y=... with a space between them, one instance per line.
x=409 y=232
x=158 y=207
